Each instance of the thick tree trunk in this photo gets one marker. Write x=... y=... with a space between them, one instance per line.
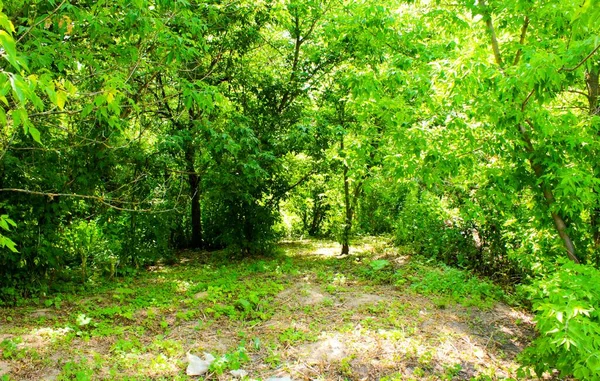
x=196 y=209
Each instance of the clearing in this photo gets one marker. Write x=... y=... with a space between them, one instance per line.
x=305 y=313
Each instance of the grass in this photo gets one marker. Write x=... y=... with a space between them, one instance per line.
x=305 y=312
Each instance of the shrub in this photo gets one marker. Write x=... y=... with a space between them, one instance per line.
x=567 y=306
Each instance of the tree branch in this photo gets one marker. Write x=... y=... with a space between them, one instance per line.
x=492 y=31
x=99 y=199
x=526 y=101
x=41 y=21
x=582 y=61
x=521 y=40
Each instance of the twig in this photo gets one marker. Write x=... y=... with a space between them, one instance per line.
x=526 y=101
x=41 y=21
x=521 y=40
x=99 y=199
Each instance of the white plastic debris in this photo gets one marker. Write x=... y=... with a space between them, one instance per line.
x=198 y=366
x=279 y=379
x=239 y=373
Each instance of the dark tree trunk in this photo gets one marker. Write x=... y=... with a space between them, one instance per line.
x=196 y=208
x=592 y=82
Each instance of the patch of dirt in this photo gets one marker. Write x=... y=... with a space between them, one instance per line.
x=40 y=338
x=51 y=374
x=304 y=295
x=357 y=300
x=4 y=367
x=327 y=350
x=45 y=312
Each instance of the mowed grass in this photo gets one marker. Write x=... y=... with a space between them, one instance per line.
x=304 y=313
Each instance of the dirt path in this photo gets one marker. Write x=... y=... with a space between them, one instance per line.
x=304 y=314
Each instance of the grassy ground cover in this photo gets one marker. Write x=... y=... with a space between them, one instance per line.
x=304 y=313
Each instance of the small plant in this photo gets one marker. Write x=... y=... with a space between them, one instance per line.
x=346 y=366
x=450 y=372
x=55 y=302
x=230 y=361
x=76 y=371
x=418 y=372
x=379 y=271
x=10 y=350
x=126 y=346
x=392 y=377
x=83 y=320
x=291 y=336
x=273 y=358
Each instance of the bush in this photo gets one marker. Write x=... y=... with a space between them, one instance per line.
x=567 y=306
x=426 y=225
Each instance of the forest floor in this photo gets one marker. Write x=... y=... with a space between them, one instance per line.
x=304 y=313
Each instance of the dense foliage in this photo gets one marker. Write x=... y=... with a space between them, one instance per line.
x=467 y=130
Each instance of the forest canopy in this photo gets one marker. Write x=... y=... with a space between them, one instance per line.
x=469 y=131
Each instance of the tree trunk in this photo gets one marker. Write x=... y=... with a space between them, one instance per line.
x=538 y=169
x=196 y=209
x=592 y=82
x=348 y=207
x=559 y=222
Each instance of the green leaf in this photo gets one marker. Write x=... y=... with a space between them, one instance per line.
x=61 y=98
x=19 y=87
x=10 y=49
x=35 y=134
x=7 y=242
x=6 y=23
x=19 y=117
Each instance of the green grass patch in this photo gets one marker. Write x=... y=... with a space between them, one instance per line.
x=448 y=285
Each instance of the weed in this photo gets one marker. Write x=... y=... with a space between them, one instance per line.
x=425 y=359
x=291 y=336
x=169 y=347
x=327 y=302
x=392 y=377
x=230 y=361
x=273 y=358
x=450 y=372
x=449 y=283
x=132 y=345
x=80 y=371
x=346 y=366
x=10 y=349
x=418 y=372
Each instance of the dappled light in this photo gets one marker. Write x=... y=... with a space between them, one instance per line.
x=321 y=317
x=300 y=190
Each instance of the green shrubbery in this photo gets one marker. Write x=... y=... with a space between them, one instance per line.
x=567 y=307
